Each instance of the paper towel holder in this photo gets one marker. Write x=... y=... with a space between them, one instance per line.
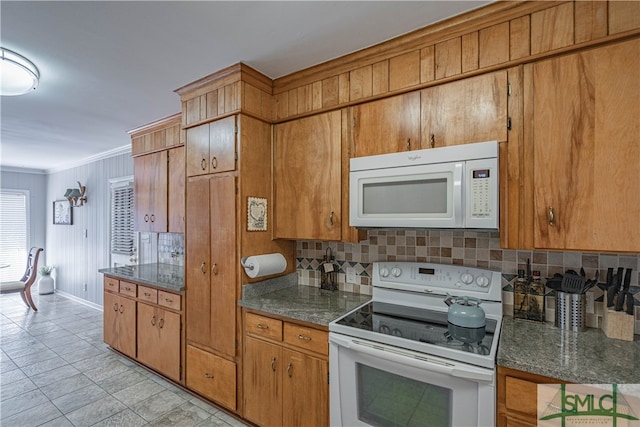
x=243 y=263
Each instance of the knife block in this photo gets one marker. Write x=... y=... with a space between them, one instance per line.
x=617 y=324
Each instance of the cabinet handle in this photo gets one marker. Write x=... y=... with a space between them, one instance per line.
x=147 y=294
x=331 y=215
x=432 y=141
x=273 y=364
x=146 y=217
x=261 y=326
x=115 y=307
x=214 y=269
x=203 y=268
x=153 y=321
x=214 y=162
x=168 y=300
x=121 y=309
x=408 y=143
x=289 y=370
x=208 y=376
x=161 y=323
x=552 y=217
x=304 y=337
x=153 y=218
x=203 y=164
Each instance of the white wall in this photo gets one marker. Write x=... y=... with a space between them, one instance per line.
x=77 y=258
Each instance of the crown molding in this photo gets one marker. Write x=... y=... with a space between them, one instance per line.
x=22 y=170
x=125 y=149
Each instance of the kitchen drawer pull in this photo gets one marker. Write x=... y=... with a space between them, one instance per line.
x=161 y=323
x=115 y=307
x=273 y=364
x=168 y=300
x=214 y=162
x=290 y=370
x=552 y=217
x=147 y=294
x=153 y=218
x=408 y=143
x=203 y=268
x=261 y=326
x=214 y=269
x=121 y=309
x=203 y=164
x=208 y=376
x=331 y=215
x=432 y=141
x=146 y=217
x=153 y=321
x=304 y=337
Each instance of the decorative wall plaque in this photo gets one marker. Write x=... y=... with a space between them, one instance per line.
x=256 y=214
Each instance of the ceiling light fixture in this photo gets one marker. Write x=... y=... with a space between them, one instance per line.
x=18 y=75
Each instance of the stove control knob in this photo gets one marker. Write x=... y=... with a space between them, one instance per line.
x=384 y=272
x=396 y=272
x=482 y=281
x=466 y=278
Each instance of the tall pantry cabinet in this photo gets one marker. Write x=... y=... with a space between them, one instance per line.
x=228 y=160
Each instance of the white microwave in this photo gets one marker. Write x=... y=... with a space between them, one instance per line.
x=448 y=187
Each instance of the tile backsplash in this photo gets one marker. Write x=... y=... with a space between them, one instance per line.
x=171 y=248
x=473 y=249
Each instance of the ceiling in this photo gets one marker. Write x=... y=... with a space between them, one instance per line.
x=108 y=67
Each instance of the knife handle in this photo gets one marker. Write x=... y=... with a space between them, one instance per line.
x=620 y=301
x=630 y=303
x=611 y=292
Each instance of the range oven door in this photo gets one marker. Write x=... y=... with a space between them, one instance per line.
x=379 y=385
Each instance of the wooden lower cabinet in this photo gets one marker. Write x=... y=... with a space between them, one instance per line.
x=159 y=340
x=211 y=376
x=517 y=404
x=120 y=323
x=285 y=384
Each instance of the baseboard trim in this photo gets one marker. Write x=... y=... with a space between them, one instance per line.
x=80 y=300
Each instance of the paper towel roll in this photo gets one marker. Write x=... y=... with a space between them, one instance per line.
x=264 y=265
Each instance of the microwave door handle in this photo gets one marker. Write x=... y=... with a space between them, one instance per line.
x=458 y=176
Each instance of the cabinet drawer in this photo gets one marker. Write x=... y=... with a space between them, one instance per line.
x=111 y=284
x=148 y=294
x=169 y=300
x=521 y=396
x=263 y=326
x=212 y=377
x=308 y=338
x=129 y=289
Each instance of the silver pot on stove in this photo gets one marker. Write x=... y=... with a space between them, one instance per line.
x=465 y=311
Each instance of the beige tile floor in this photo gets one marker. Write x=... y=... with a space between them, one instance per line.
x=55 y=370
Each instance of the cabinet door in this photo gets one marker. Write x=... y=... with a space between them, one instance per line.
x=198 y=150
x=586 y=142
x=120 y=323
x=211 y=376
x=110 y=320
x=223 y=264
x=159 y=340
x=150 y=192
x=222 y=145
x=301 y=374
x=141 y=192
x=465 y=111
x=176 y=197
x=308 y=178
x=386 y=126
x=198 y=267
x=263 y=370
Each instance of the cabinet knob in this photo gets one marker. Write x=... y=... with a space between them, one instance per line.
x=552 y=217
x=203 y=164
x=214 y=162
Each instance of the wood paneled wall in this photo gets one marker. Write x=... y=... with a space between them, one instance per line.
x=77 y=258
x=500 y=35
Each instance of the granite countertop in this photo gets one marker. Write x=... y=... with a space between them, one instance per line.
x=587 y=357
x=164 y=276
x=283 y=296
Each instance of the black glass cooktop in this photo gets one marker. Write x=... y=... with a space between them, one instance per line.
x=422 y=325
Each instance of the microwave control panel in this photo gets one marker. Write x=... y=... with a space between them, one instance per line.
x=482 y=193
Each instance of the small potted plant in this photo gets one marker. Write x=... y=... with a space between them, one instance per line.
x=46 y=282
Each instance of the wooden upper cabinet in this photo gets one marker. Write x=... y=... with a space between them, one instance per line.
x=176 y=189
x=307 y=175
x=150 y=190
x=465 y=111
x=211 y=147
x=386 y=126
x=584 y=111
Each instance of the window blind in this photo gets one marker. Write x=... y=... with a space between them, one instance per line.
x=122 y=219
x=14 y=217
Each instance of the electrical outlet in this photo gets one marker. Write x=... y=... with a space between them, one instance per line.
x=84 y=287
x=351 y=275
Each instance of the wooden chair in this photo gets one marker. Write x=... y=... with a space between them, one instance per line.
x=28 y=279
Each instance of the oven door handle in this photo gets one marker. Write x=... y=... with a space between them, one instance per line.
x=416 y=360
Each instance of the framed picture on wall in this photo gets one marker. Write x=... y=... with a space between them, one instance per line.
x=62 y=212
